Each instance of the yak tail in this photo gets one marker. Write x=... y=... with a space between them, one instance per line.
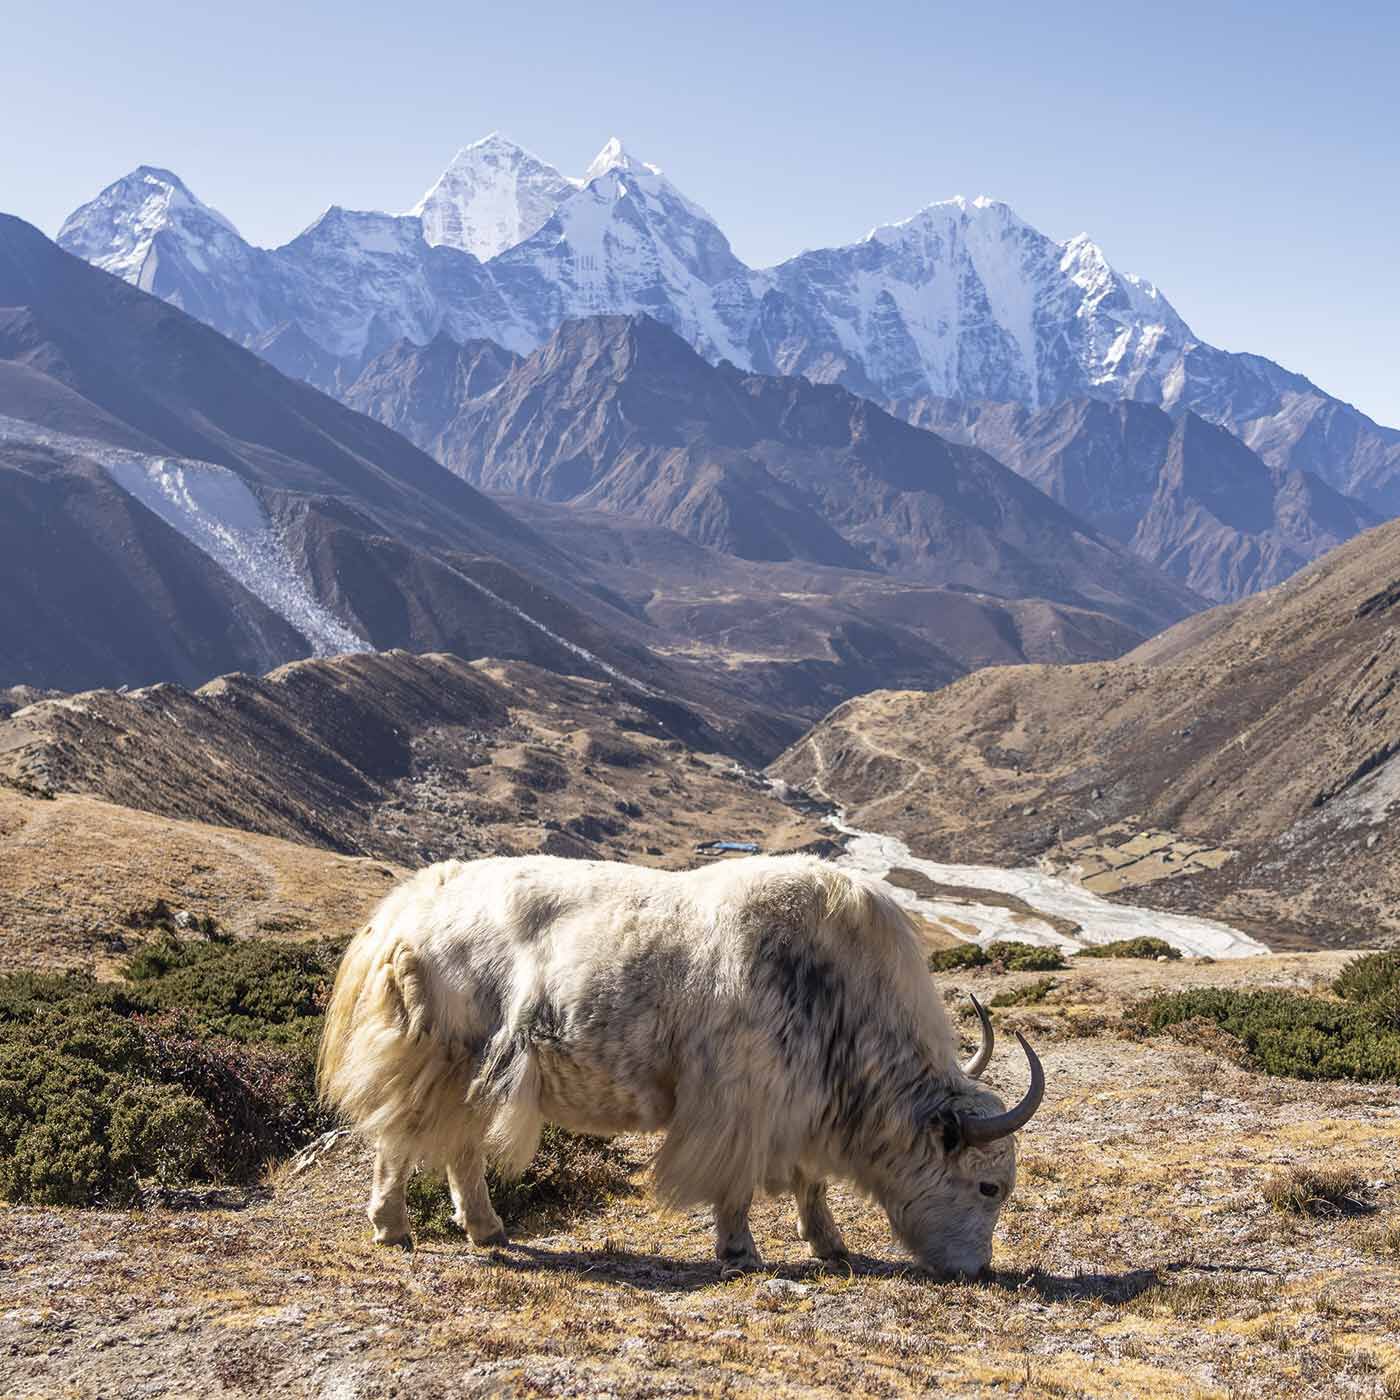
x=379 y=1064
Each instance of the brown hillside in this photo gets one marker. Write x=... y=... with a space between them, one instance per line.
x=1271 y=727
x=409 y=758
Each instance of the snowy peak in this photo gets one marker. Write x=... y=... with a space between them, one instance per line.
x=614 y=156
x=116 y=230
x=493 y=195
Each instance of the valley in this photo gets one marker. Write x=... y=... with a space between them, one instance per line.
x=536 y=521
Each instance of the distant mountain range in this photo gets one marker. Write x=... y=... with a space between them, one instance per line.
x=962 y=301
x=173 y=507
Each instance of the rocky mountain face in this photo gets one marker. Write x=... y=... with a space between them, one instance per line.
x=1268 y=730
x=174 y=505
x=963 y=300
x=421 y=391
x=619 y=414
x=1180 y=492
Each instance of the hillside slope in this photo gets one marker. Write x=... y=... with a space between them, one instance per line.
x=409 y=758
x=1182 y=493
x=1270 y=728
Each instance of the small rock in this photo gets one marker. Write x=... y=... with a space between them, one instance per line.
x=786 y=1288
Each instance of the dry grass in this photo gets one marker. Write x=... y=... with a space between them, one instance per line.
x=1137 y=1258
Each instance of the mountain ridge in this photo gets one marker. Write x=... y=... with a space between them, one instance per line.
x=962 y=300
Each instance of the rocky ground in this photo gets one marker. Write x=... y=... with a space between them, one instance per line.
x=1138 y=1257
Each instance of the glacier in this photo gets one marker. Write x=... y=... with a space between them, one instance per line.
x=215 y=510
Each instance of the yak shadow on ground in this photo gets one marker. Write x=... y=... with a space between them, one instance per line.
x=663 y=1273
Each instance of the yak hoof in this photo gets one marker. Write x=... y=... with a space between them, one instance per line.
x=496 y=1237
x=404 y=1241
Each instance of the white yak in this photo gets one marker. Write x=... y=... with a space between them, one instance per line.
x=774 y=1016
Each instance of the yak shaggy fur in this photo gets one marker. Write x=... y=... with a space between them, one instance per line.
x=773 y=1015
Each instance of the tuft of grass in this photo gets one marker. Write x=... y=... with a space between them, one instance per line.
x=1282 y=1033
x=1319 y=1192
x=569 y=1174
x=1026 y=995
x=1145 y=947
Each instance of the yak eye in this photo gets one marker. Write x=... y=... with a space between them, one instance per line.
x=988 y=1188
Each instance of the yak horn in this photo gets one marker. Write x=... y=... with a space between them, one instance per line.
x=974 y=1067
x=978 y=1132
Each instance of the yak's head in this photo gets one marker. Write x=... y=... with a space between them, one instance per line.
x=950 y=1190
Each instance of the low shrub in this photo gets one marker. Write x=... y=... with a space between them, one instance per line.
x=1373 y=980
x=960 y=955
x=198 y=1066
x=1006 y=955
x=1145 y=947
x=1283 y=1033
x=569 y=1174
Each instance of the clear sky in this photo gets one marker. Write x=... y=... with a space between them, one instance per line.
x=1243 y=156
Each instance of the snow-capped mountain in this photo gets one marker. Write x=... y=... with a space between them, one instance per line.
x=492 y=196
x=963 y=300
x=149 y=230
x=629 y=241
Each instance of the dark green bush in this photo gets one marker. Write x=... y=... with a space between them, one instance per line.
x=1285 y=1033
x=570 y=1173
x=1369 y=977
x=1009 y=956
x=1131 y=948
x=1026 y=957
x=1374 y=980
x=200 y=1068
x=960 y=955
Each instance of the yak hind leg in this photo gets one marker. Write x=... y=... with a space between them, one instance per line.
x=388 y=1210
x=471 y=1199
x=734 y=1245
x=815 y=1223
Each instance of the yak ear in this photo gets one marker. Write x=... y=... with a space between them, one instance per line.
x=950 y=1126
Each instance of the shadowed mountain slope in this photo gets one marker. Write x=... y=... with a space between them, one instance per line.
x=1180 y=492
x=618 y=414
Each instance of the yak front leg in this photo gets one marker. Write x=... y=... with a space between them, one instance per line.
x=734 y=1244
x=473 y=1211
x=815 y=1223
x=388 y=1211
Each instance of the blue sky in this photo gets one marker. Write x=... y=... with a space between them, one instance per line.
x=1245 y=157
